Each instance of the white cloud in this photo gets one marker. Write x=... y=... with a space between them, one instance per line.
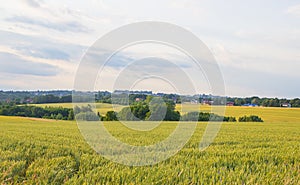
x=294 y=10
x=33 y=3
x=57 y=33
x=259 y=57
x=13 y=64
x=31 y=82
x=67 y=26
x=40 y=47
x=189 y=6
x=73 y=23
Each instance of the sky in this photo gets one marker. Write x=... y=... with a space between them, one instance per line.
x=255 y=43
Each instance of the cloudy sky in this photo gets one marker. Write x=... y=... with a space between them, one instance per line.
x=256 y=43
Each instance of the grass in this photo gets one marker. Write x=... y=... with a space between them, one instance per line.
x=37 y=151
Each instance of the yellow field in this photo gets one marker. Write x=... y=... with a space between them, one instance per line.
x=268 y=114
x=40 y=151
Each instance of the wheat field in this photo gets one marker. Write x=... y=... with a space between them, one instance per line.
x=40 y=151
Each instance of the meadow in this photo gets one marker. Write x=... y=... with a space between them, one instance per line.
x=41 y=151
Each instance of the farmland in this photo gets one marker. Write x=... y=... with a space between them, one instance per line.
x=270 y=114
x=47 y=151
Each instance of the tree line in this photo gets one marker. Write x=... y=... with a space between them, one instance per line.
x=58 y=113
x=265 y=102
x=136 y=112
x=125 y=99
x=38 y=97
x=52 y=99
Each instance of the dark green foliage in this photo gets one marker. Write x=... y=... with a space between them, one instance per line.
x=52 y=99
x=59 y=113
x=60 y=96
x=191 y=116
x=160 y=110
x=266 y=102
x=126 y=115
x=71 y=115
x=85 y=113
x=251 y=118
x=205 y=116
x=295 y=102
x=172 y=115
x=110 y=116
x=157 y=109
x=120 y=99
x=103 y=97
x=139 y=110
x=229 y=119
x=87 y=116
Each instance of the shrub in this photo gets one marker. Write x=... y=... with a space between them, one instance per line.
x=126 y=115
x=205 y=116
x=111 y=116
x=191 y=116
x=229 y=119
x=251 y=118
x=87 y=116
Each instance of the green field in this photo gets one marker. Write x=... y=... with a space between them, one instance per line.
x=37 y=151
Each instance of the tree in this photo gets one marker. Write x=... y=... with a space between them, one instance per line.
x=126 y=115
x=172 y=115
x=251 y=118
x=139 y=110
x=59 y=116
x=71 y=115
x=205 y=116
x=157 y=112
x=190 y=116
x=87 y=116
x=76 y=110
x=111 y=116
x=255 y=100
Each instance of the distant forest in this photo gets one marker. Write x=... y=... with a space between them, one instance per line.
x=65 y=96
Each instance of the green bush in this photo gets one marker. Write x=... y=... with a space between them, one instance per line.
x=126 y=115
x=87 y=116
x=205 y=116
x=110 y=116
x=251 y=118
x=229 y=119
x=191 y=116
